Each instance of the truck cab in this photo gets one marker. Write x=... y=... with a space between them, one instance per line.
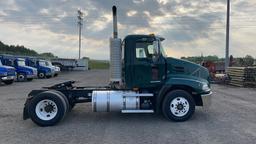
x=24 y=72
x=146 y=67
x=44 y=71
x=7 y=74
x=56 y=68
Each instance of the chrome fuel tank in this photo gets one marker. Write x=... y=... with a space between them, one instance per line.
x=106 y=101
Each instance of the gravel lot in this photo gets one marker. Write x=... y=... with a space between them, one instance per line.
x=231 y=119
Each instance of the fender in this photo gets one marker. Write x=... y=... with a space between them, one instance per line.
x=189 y=83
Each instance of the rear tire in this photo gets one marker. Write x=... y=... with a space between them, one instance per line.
x=47 y=108
x=65 y=99
x=8 y=82
x=178 y=105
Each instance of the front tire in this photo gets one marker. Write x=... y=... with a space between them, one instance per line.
x=21 y=77
x=41 y=75
x=178 y=105
x=47 y=108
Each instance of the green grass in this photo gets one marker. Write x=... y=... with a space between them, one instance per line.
x=98 y=64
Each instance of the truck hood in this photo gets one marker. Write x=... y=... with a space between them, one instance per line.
x=10 y=70
x=2 y=67
x=185 y=68
x=28 y=67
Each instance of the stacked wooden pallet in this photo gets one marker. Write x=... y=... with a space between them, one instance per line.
x=242 y=76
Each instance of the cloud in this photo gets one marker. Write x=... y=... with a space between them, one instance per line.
x=190 y=27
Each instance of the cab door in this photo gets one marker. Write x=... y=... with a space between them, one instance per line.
x=148 y=69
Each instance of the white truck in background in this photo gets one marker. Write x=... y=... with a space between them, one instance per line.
x=71 y=64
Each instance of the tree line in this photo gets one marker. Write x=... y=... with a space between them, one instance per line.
x=248 y=60
x=22 y=51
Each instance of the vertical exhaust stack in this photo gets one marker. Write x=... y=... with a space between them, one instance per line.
x=115 y=33
x=115 y=53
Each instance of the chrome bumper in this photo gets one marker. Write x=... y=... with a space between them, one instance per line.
x=206 y=98
x=31 y=76
x=7 y=78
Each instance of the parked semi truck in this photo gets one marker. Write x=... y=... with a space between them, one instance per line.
x=56 y=68
x=24 y=72
x=43 y=70
x=142 y=80
x=7 y=74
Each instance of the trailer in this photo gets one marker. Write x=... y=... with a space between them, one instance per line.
x=142 y=80
x=71 y=64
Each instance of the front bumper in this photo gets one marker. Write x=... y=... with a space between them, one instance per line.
x=6 y=78
x=49 y=74
x=206 y=99
x=31 y=76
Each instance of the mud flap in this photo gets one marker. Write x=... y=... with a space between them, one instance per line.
x=25 y=109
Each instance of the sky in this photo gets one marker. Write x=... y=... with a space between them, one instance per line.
x=190 y=28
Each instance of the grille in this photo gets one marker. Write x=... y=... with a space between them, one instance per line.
x=10 y=72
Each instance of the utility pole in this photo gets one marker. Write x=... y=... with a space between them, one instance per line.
x=80 y=24
x=227 y=36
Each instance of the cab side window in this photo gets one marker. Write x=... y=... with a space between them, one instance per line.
x=144 y=50
x=140 y=53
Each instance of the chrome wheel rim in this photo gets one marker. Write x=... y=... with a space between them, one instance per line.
x=46 y=109
x=179 y=106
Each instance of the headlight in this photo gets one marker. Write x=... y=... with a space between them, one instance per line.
x=205 y=87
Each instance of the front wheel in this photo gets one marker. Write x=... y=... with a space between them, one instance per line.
x=178 y=105
x=41 y=75
x=21 y=77
x=47 y=108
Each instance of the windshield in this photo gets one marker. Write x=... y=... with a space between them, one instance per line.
x=42 y=63
x=21 y=63
x=48 y=63
x=162 y=49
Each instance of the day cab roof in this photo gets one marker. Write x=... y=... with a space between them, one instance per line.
x=137 y=37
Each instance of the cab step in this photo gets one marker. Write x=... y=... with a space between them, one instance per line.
x=137 y=111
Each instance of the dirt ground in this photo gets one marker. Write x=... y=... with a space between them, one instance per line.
x=231 y=119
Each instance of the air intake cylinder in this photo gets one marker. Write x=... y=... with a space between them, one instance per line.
x=115 y=52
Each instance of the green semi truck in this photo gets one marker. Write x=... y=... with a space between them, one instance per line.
x=142 y=80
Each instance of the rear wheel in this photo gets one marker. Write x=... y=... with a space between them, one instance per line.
x=65 y=99
x=8 y=82
x=178 y=105
x=47 y=108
